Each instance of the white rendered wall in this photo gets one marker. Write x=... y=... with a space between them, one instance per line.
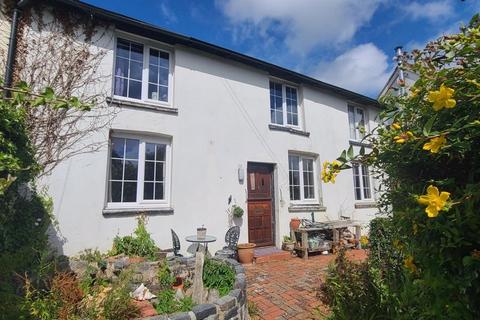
x=222 y=123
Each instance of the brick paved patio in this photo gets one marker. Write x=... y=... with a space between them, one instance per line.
x=287 y=289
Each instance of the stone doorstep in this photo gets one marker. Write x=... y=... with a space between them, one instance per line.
x=276 y=256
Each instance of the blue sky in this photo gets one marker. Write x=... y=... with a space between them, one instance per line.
x=349 y=43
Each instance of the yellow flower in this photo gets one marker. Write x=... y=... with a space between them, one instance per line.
x=403 y=137
x=434 y=200
x=414 y=92
x=435 y=144
x=330 y=171
x=442 y=98
x=396 y=126
x=408 y=263
x=364 y=240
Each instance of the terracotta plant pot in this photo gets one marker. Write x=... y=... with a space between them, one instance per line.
x=295 y=223
x=245 y=252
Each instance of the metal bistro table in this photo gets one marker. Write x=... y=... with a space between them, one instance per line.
x=205 y=241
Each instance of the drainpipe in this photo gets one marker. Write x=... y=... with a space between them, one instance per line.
x=12 y=45
x=401 y=78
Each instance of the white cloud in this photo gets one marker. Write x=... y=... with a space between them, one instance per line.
x=303 y=24
x=433 y=10
x=363 y=68
x=167 y=13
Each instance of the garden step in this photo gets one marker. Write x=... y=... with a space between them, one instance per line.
x=266 y=254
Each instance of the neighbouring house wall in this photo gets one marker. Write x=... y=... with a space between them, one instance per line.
x=221 y=125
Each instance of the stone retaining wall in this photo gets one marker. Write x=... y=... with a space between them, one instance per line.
x=232 y=306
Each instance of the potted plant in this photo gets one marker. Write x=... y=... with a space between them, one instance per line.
x=245 y=252
x=288 y=244
x=295 y=223
x=237 y=212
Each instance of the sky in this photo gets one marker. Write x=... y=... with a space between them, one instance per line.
x=348 y=43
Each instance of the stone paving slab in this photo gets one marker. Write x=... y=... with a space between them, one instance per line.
x=288 y=289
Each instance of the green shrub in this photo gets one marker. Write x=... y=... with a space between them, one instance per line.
x=425 y=257
x=140 y=244
x=168 y=304
x=218 y=275
x=165 y=277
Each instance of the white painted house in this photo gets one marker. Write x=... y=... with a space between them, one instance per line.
x=198 y=125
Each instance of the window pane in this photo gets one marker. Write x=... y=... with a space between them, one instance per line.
x=164 y=57
x=309 y=192
x=293 y=162
x=153 y=73
x=136 y=52
x=163 y=92
x=134 y=89
x=120 y=87
x=116 y=170
x=159 y=191
x=136 y=70
x=359 y=117
x=123 y=48
x=115 y=192
x=161 y=148
x=131 y=170
x=164 y=76
x=149 y=170
x=154 y=57
x=351 y=122
x=129 y=192
x=292 y=105
x=356 y=181
x=276 y=103
x=117 y=147
x=366 y=182
x=152 y=91
x=295 y=193
x=131 y=151
x=150 y=151
x=159 y=171
x=148 y=190
x=121 y=67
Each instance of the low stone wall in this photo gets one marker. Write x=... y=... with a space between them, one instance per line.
x=232 y=306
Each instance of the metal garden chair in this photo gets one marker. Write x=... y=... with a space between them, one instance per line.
x=231 y=239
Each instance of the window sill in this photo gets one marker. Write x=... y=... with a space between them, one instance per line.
x=118 y=212
x=300 y=207
x=142 y=105
x=289 y=130
x=359 y=143
x=366 y=205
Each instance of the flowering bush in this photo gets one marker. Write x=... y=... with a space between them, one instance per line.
x=426 y=156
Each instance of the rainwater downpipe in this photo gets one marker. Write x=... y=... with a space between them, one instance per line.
x=12 y=45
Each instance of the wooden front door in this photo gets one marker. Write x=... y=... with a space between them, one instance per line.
x=260 y=204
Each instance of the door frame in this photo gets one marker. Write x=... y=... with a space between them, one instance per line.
x=271 y=167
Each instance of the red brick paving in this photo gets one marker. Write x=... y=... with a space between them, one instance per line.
x=288 y=289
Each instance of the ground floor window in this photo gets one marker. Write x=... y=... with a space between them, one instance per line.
x=361 y=182
x=301 y=174
x=138 y=170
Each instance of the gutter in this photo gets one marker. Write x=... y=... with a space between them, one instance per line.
x=12 y=45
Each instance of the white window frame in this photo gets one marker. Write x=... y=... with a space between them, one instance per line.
x=284 y=104
x=147 y=45
x=358 y=134
x=141 y=203
x=302 y=199
x=361 y=167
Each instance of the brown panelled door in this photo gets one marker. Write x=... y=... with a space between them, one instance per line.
x=260 y=204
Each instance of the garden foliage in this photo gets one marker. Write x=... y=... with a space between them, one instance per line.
x=24 y=212
x=425 y=257
x=140 y=244
x=218 y=275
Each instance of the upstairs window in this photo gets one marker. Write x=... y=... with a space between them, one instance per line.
x=357 y=123
x=361 y=182
x=138 y=171
x=283 y=104
x=301 y=178
x=141 y=72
